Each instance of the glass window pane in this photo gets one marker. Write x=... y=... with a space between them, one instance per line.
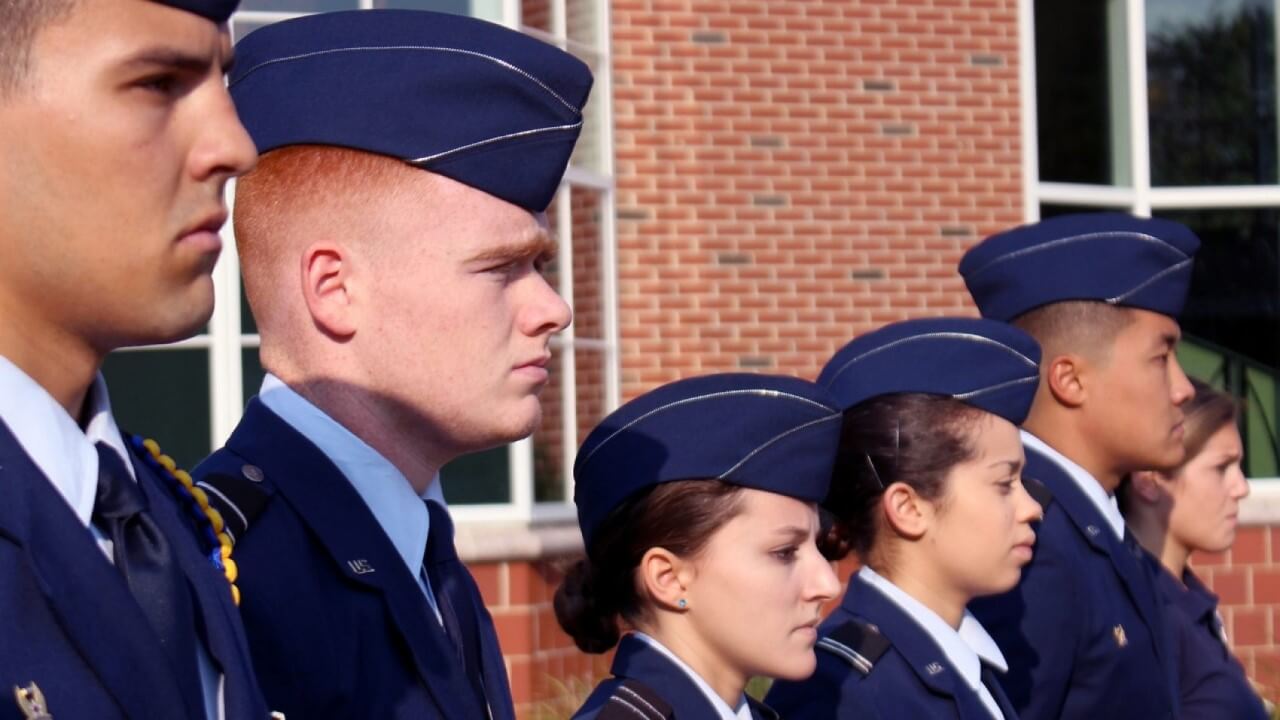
x=588 y=301
x=1211 y=86
x=549 y=463
x=483 y=477
x=582 y=18
x=163 y=394
x=1081 y=91
x=589 y=153
x=251 y=371
x=247 y=324
x=1262 y=454
x=1048 y=210
x=1235 y=288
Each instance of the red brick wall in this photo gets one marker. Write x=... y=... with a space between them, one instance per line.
x=1247 y=581
x=793 y=173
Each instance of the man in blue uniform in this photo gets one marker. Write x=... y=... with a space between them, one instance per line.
x=118 y=138
x=1083 y=632
x=391 y=241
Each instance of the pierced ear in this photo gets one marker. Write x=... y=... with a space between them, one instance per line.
x=1064 y=376
x=326 y=287
x=907 y=512
x=666 y=578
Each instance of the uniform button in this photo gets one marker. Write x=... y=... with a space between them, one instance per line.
x=252 y=473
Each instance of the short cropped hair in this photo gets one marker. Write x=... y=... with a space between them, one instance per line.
x=20 y=22
x=1087 y=327
x=301 y=192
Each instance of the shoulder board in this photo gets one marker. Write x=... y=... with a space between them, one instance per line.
x=857 y=643
x=761 y=710
x=239 y=498
x=632 y=700
x=1039 y=491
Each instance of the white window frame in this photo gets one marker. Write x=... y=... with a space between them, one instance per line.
x=225 y=341
x=1139 y=197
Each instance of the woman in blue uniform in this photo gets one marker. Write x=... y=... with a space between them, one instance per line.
x=1195 y=507
x=928 y=493
x=698 y=508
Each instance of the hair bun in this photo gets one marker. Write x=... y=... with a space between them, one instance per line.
x=582 y=612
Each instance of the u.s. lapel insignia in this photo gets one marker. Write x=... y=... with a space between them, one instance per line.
x=360 y=567
x=1118 y=633
x=31 y=702
x=933 y=668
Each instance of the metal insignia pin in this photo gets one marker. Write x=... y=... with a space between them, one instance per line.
x=1092 y=530
x=252 y=473
x=1118 y=633
x=360 y=567
x=31 y=702
x=933 y=668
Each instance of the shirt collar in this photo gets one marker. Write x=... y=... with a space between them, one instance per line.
x=966 y=648
x=385 y=490
x=743 y=710
x=54 y=440
x=1088 y=484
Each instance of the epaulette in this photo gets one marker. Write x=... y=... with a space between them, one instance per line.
x=857 y=643
x=762 y=710
x=632 y=700
x=1038 y=491
x=240 y=498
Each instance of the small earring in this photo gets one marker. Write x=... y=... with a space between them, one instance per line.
x=682 y=603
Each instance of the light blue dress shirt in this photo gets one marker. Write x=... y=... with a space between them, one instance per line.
x=399 y=511
x=1087 y=483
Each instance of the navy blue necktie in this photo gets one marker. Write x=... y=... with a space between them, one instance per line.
x=449 y=583
x=144 y=558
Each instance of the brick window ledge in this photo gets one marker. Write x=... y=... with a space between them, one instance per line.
x=1262 y=507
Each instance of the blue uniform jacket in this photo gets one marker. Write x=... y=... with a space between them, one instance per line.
x=337 y=625
x=69 y=623
x=1211 y=682
x=1083 y=632
x=646 y=685
x=875 y=661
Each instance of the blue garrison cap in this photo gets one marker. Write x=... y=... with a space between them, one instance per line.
x=990 y=365
x=216 y=10
x=766 y=432
x=1108 y=257
x=476 y=102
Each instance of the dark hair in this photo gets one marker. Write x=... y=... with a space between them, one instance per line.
x=20 y=22
x=1075 y=326
x=909 y=438
x=1205 y=414
x=601 y=589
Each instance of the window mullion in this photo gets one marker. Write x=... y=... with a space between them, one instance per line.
x=1139 y=140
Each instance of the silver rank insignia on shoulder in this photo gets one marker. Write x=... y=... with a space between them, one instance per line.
x=1118 y=633
x=31 y=702
x=933 y=668
x=360 y=567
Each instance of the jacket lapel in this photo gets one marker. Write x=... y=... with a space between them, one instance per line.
x=637 y=660
x=83 y=590
x=223 y=634
x=356 y=544
x=917 y=647
x=1095 y=529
